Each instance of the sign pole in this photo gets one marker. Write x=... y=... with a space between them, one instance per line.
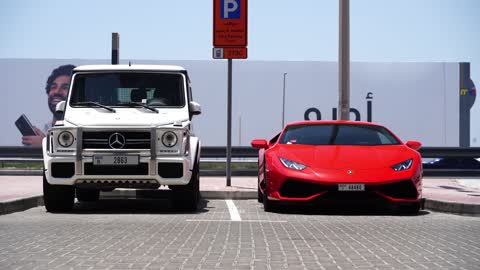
x=344 y=61
x=229 y=125
x=229 y=42
x=115 y=48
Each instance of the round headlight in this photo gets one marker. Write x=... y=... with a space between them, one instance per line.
x=169 y=139
x=65 y=138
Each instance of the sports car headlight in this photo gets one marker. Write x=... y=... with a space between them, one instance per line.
x=169 y=139
x=65 y=138
x=404 y=165
x=292 y=164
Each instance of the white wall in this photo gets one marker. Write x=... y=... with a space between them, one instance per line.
x=418 y=101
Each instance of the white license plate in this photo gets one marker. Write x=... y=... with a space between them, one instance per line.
x=351 y=187
x=117 y=160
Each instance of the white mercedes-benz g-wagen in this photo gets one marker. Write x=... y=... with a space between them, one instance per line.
x=125 y=126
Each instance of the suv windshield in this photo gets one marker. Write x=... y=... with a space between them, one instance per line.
x=338 y=135
x=121 y=89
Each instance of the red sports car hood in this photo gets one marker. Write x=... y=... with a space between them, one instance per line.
x=345 y=156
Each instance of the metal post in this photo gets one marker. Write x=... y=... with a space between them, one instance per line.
x=283 y=103
x=115 y=48
x=240 y=130
x=344 y=61
x=229 y=125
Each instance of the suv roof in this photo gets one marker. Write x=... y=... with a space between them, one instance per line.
x=129 y=68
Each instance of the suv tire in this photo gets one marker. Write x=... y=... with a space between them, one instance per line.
x=57 y=198
x=185 y=198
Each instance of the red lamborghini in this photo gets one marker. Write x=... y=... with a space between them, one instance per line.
x=342 y=161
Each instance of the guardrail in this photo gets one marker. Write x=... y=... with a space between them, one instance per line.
x=246 y=154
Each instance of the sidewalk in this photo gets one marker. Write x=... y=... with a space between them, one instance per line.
x=18 y=193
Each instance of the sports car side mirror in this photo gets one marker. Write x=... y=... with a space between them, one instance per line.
x=414 y=145
x=260 y=144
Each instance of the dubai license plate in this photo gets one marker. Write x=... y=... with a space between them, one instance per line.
x=351 y=187
x=115 y=160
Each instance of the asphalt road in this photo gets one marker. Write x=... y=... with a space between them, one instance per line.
x=224 y=234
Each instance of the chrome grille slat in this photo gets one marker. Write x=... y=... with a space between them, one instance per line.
x=100 y=139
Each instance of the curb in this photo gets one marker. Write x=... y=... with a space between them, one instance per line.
x=13 y=206
x=453 y=207
x=205 y=194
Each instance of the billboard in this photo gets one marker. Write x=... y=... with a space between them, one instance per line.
x=429 y=102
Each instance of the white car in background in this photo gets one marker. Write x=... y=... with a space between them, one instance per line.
x=125 y=126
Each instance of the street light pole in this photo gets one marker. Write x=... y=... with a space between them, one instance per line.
x=283 y=103
x=344 y=61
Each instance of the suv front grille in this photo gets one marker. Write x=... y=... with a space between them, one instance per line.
x=100 y=140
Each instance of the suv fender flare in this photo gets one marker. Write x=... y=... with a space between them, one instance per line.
x=194 y=151
x=46 y=157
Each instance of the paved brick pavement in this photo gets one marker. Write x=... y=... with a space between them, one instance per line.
x=149 y=234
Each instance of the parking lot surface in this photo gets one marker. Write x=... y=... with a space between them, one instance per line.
x=234 y=234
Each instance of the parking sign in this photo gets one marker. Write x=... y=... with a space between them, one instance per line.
x=229 y=23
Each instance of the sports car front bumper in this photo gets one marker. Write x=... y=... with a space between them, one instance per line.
x=285 y=184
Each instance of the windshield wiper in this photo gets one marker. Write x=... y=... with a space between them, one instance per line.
x=132 y=104
x=92 y=103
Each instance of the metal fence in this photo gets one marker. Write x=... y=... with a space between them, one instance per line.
x=248 y=155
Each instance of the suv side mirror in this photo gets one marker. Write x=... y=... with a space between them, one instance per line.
x=194 y=108
x=260 y=144
x=60 y=108
x=414 y=145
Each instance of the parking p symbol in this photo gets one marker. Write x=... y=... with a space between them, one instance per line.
x=230 y=9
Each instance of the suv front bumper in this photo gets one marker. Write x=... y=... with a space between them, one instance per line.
x=149 y=173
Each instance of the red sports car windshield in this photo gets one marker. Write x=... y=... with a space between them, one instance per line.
x=338 y=134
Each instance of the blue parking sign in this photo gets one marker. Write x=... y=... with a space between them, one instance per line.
x=230 y=9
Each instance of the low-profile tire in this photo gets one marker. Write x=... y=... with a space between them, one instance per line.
x=268 y=205
x=57 y=198
x=87 y=195
x=259 y=193
x=185 y=198
x=411 y=209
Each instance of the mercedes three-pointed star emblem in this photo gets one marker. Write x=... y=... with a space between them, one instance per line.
x=116 y=141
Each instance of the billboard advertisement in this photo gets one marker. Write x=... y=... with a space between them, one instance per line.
x=429 y=102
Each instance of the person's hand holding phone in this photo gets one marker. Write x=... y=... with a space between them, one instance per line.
x=34 y=140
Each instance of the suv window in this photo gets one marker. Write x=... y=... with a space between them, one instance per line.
x=117 y=89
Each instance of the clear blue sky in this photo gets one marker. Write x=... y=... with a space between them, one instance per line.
x=381 y=30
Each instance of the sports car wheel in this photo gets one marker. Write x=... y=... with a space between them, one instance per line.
x=408 y=209
x=268 y=205
x=259 y=193
x=57 y=198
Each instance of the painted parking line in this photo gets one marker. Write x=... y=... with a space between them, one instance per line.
x=234 y=215
x=252 y=220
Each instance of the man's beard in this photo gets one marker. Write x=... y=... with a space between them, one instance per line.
x=52 y=106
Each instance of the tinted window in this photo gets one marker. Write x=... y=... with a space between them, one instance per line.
x=113 y=89
x=338 y=135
